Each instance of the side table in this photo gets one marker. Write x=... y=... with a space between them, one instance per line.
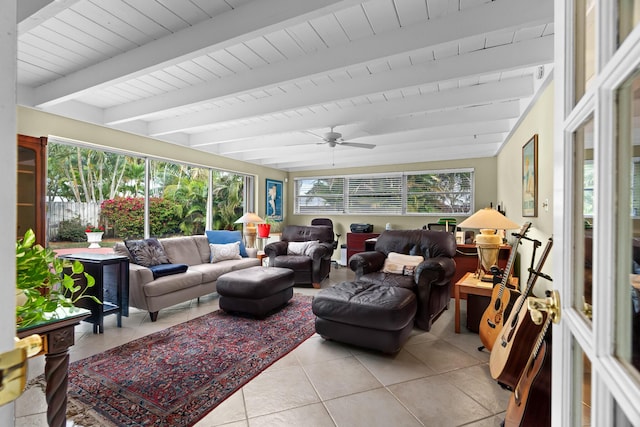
x=57 y=336
x=469 y=285
x=111 y=272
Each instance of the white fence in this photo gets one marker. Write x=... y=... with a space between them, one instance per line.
x=89 y=213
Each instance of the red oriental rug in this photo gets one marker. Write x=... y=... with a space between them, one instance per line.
x=176 y=376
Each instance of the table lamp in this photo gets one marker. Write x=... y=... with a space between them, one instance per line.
x=249 y=221
x=488 y=220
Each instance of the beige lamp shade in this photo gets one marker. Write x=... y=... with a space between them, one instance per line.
x=488 y=220
x=249 y=221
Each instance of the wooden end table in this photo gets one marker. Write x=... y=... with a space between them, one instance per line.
x=470 y=285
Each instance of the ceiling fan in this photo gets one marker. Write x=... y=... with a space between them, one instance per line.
x=335 y=138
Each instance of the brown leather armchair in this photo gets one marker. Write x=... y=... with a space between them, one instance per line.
x=431 y=280
x=311 y=267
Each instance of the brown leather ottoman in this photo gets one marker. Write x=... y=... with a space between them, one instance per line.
x=365 y=314
x=255 y=290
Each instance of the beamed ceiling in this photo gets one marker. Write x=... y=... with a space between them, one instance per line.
x=262 y=81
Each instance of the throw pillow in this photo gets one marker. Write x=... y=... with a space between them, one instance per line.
x=401 y=264
x=225 y=252
x=301 y=248
x=219 y=237
x=161 y=270
x=147 y=252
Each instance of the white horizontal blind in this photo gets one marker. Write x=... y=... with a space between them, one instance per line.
x=440 y=192
x=375 y=195
x=319 y=195
x=410 y=193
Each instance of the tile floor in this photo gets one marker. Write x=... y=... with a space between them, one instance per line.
x=438 y=379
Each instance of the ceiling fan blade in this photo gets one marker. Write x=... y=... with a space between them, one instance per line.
x=357 y=144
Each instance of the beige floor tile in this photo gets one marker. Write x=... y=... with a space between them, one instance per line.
x=441 y=356
x=340 y=377
x=37 y=420
x=309 y=416
x=31 y=402
x=435 y=402
x=477 y=383
x=278 y=390
x=370 y=409
x=393 y=369
x=229 y=411
x=494 y=421
x=317 y=349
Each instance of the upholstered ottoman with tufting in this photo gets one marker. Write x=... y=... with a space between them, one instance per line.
x=256 y=290
x=365 y=314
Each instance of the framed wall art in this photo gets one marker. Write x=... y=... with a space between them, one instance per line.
x=274 y=200
x=530 y=177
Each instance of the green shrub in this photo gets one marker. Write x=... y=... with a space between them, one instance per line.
x=71 y=230
x=126 y=216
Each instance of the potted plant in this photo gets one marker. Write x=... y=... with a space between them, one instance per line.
x=264 y=229
x=94 y=236
x=43 y=284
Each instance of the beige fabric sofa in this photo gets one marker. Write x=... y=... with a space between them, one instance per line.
x=151 y=294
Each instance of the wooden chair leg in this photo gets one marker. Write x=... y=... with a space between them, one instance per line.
x=153 y=315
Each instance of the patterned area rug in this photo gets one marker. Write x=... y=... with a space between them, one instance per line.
x=176 y=376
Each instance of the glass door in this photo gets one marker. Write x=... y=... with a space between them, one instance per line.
x=596 y=351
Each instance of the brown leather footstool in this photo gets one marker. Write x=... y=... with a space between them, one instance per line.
x=365 y=314
x=256 y=290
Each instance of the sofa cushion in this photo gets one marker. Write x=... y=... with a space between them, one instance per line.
x=121 y=249
x=175 y=282
x=224 y=252
x=219 y=237
x=167 y=269
x=211 y=272
x=181 y=250
x=147 y=252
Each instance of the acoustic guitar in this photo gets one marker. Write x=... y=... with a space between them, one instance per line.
x=530 y=402
x=517 y=337
x=492 y=318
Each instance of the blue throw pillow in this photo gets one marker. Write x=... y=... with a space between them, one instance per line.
x=167 y=269
x=221 y=237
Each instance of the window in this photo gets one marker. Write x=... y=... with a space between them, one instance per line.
x=419 y=193
x=319 y=195
x=440 y=192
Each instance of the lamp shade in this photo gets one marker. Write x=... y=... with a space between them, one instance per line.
x=488 y=218
x=248 y=218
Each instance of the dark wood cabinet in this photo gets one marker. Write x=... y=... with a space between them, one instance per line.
x=356 y=242
x=32 y=167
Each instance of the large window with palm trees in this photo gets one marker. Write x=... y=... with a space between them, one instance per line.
x=92 y=188
x=410 y=193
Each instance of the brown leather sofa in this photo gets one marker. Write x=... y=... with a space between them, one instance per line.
x=431 y=281
x=310 y=268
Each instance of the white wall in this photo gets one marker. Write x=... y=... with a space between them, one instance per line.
x=539 y=120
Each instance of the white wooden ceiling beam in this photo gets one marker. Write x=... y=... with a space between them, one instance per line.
x=490 y=17
x=445 y=119
x=32 y=13
x=486 y=61
x=349 y=158
x=453 y=98
x=245 y=22
x=392 y=141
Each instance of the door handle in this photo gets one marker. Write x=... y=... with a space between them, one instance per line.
x=13 y=367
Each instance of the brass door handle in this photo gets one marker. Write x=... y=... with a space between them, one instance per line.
x=13 y=367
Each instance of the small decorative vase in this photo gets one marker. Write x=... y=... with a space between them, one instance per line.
x=264 y=230
x=94 y=238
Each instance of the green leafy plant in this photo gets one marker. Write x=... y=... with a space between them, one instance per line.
x=71 y=230
x=43 y=283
